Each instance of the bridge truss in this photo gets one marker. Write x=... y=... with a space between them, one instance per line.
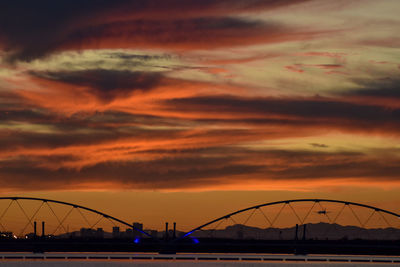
x=24 y=216
x=324 y=218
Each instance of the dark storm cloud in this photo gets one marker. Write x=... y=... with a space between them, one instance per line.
x=118 y=119
x=32 y=29
x=170 y=31
x=321 y=111
x=138 y=57
x=27 y=129
x=159 y=174
x=178 y=34
x=65 y=135
x=314 y=165
x=13 y=140
x=9 y=115
x=107 y=84
x=385 y=88
x=364 y=170
x=190 y=171
x=319 y=145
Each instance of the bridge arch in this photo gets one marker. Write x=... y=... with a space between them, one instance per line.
x=72 y=205
x=288 y=202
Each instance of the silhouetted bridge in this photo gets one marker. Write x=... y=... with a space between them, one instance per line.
x=299 y=226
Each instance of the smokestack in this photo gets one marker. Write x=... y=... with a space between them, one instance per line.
x=174 y=235
x=166 y=231
x=304 y=231
x=297 y=229
x=34 y=229
x=43 y=233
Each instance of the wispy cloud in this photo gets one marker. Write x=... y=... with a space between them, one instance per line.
x=196 y=95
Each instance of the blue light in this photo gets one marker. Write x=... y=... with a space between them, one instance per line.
x=195 y=240
x=188 y=234
x=137 y=240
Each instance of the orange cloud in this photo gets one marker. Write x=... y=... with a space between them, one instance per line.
x=181 y=100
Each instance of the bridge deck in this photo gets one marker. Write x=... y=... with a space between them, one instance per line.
x=197 y=257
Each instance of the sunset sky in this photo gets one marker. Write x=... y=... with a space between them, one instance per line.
x=178 y=103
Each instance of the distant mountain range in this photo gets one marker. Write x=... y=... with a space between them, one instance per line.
x=317 y=231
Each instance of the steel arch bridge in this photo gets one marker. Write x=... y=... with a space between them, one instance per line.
x=303 y=219
x=60 y=220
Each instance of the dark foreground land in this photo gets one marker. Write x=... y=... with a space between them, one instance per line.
x=353 y=247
